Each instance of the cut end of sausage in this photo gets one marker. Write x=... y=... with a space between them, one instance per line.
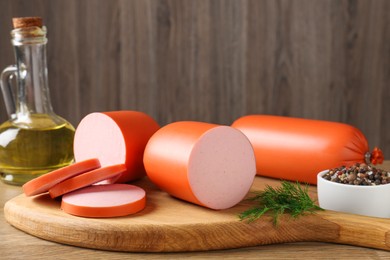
x=115 y=137
x=221 y=167
x=99 y=136
x=111 y=200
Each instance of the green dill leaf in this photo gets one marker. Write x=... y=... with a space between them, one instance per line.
x=252 y=214
x=288 y=198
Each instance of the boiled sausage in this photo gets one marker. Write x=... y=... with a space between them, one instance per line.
x=98 y=201
x=206 y=164
x=46 y=181
x=87 y=179
x=298 y=149
x=117 y=137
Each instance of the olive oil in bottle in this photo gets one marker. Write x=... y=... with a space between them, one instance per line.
x=34 y=140
x=27 y=151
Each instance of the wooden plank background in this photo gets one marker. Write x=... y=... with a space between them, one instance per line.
x=216 y=60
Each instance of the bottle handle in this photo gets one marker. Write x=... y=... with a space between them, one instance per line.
x=6 y=87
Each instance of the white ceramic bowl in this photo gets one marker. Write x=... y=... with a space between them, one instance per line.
x=371 y=201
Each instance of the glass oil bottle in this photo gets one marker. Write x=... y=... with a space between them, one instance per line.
x=34 y=140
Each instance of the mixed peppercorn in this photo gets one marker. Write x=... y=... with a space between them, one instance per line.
x=358 y=174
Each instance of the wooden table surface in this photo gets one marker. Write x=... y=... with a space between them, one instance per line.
x=15 y=244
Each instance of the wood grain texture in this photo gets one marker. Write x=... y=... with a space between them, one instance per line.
x=171 y=225
x=216 y=60
x=19 y=245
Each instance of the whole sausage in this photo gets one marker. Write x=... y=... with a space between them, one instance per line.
x=298 y=149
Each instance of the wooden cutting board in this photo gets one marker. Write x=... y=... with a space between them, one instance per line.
x=168 y=224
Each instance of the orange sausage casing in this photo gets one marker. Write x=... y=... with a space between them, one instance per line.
x=115 y=137
x=298 y=149
x=206 y=164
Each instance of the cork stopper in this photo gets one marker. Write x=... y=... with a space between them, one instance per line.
x=23 y=22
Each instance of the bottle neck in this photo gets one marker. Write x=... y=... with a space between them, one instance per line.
x=32 y=95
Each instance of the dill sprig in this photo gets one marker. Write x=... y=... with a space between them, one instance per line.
x=288 y=198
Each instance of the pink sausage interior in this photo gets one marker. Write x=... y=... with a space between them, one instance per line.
x=110 y=195
x=106 y=143
x=221 y=168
